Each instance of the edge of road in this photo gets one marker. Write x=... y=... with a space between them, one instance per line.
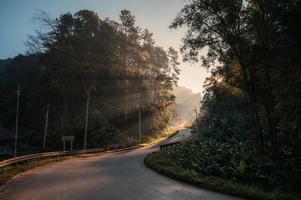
x=15 y=169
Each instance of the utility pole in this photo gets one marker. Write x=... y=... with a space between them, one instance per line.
x=17 y=120
x=87 y=118
x=46 y=127
x=139 y=119
x=197 y=120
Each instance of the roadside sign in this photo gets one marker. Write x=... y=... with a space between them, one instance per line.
x=67 y=138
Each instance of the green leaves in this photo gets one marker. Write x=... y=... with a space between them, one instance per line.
x=237 y=161
x=242 y=166
x=114 y=60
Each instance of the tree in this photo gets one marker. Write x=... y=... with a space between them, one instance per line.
x=174 y=65
x=114 y=62
x=220 y=26
x=249 y=41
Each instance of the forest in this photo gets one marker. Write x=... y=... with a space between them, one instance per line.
x=250 y=115
x=246 y=138
x=79 y=66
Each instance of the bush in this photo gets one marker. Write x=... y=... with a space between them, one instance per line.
x=104 y=136
x=239 y=162
x=164 y=162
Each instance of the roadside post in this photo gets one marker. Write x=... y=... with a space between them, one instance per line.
x=139 y=121
x=46 y=127
x=86 y=119
x=197 y=120
x=17 y=120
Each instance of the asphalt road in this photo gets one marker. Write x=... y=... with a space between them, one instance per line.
x=114 y=176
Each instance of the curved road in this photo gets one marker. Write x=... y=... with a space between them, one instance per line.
x=114 y=176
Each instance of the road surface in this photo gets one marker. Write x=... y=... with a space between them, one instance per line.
x=115 y=176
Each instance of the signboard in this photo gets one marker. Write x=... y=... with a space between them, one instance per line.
x=68 y=138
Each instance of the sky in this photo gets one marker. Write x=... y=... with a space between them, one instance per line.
x=16 y=23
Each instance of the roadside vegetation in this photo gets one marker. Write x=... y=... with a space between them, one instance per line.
x=165 y=163
x=249 y=118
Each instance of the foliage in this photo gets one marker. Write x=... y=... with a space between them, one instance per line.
x=103 y=136
x=250 y=113
x=236 y=161
x=163 y=162
x=115 y=64
x=248 y=42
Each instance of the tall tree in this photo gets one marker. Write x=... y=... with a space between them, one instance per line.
x=248 y=39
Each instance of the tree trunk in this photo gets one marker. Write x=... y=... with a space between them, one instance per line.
x=272 y=129
x=250 y=85
x=296 y=148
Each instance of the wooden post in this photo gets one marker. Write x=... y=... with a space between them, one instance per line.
x=63 y=145
x=87 y=118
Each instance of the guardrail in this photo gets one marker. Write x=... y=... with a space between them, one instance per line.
x=29 y=157
x=169 y=145
x=172 y=145
x=19 y=159
x=112 y=149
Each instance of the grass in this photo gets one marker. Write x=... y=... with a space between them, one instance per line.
x=162 y=163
